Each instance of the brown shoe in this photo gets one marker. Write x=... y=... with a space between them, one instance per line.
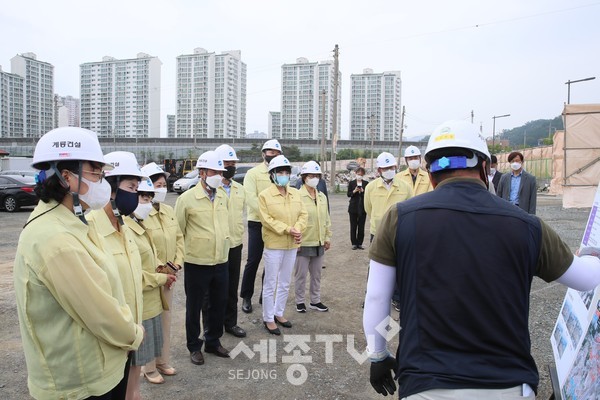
x=197 y=358
x=218 y=351
x=166 y=369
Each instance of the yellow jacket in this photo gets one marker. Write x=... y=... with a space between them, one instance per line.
x=163 y=228
x=121 y=245
x=378 y=199
x=278 y=215
x=318 y=225
x=205 y=226
x=76 y=328
x=256 y=180
x=422 y=183
x=151 y=280
x=237 y=201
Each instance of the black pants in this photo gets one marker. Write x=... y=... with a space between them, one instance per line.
x=255 y=251
x=201 y=280
x=119 y=391
x=357 y=228
x=235 y=262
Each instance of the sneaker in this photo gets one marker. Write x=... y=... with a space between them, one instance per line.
x=301 y=307
x=396 y=305
x=319 y=307
x=354 y=247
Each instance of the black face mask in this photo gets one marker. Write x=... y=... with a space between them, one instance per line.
x=269 y=158
x=126 y=201
x=230 y=172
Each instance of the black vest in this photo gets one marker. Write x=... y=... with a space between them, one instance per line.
x=465 y=262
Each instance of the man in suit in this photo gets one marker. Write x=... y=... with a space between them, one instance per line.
x=518 y=186
x=495 y=175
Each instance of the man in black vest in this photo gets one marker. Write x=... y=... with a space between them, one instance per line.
x=464 y=305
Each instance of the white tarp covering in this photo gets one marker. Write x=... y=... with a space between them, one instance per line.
x=581 y=153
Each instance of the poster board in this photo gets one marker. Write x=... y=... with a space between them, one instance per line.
x=576 y=336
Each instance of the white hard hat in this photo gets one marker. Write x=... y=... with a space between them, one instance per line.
x=457 y=134
x=227 y=153
x=210 y=160
x=279 y=161
x=272 y=144
x=412 y=151
x=67 y=144
x=153 y=169
x=146 y=185
x=124 y=163
x=385 y=160
x=311 y=167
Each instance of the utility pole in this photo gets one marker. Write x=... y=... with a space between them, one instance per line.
x=336 y=70
x=370 y=118
x=401 y=133
x=323 y=132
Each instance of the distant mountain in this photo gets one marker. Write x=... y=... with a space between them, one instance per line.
x=416 y=138
x=533 y=132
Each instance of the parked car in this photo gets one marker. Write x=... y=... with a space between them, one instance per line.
x=15 y=194
x=188 y=181
x=27 y=177
x=240 y=174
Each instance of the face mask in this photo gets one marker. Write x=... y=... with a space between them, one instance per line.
x=269 y=158
x=389 y=174
x=312 y=182
x=282 y=180
x=143 y=210
x=230 y=172
x=359 y=177
x=98 y=194
x=414 y=164
x=492 y=171
x=515 y=166
x=126 y=201
x=159 y=195
x=214 y=181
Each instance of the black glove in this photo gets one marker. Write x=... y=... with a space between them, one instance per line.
x=381 y=376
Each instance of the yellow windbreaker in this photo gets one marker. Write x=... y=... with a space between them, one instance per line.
x=378 y=198
x=256 y=180
x=163 y=228
x=121 y=245
x=318 y=226
x=76 y=328
x=237 y=201
x=422 y=183
x=151 y=280
x=278 y=215
x=205 y=226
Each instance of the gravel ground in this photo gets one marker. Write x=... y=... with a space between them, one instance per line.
x=332 y=372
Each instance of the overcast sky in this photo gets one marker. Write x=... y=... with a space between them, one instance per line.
x=492 y=57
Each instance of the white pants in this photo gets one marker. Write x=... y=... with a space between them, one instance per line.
x=514 y=393
x=279 y=265
x=304 y=265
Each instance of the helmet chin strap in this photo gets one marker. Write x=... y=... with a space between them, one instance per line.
x=77 y=207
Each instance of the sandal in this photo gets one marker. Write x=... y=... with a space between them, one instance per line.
x=166 y=369
x=154 y=377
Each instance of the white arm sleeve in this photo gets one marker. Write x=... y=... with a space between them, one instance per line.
x=380 y=288
x=583 y=274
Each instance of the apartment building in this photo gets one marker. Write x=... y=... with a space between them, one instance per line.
x=121 y=98
x=11 y=104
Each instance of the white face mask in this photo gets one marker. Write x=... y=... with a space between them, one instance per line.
x=389 y=174
x=98 y=194
x=159 y=195
x=214 y=181
x=359 y=177
x=143 y=210
x=492 y=171
x=414 y=164
x=312 y=182
x=515 y=166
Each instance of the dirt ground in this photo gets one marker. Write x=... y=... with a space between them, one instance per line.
x=267 y=367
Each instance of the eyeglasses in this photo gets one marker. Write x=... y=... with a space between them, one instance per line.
x=99 y=175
